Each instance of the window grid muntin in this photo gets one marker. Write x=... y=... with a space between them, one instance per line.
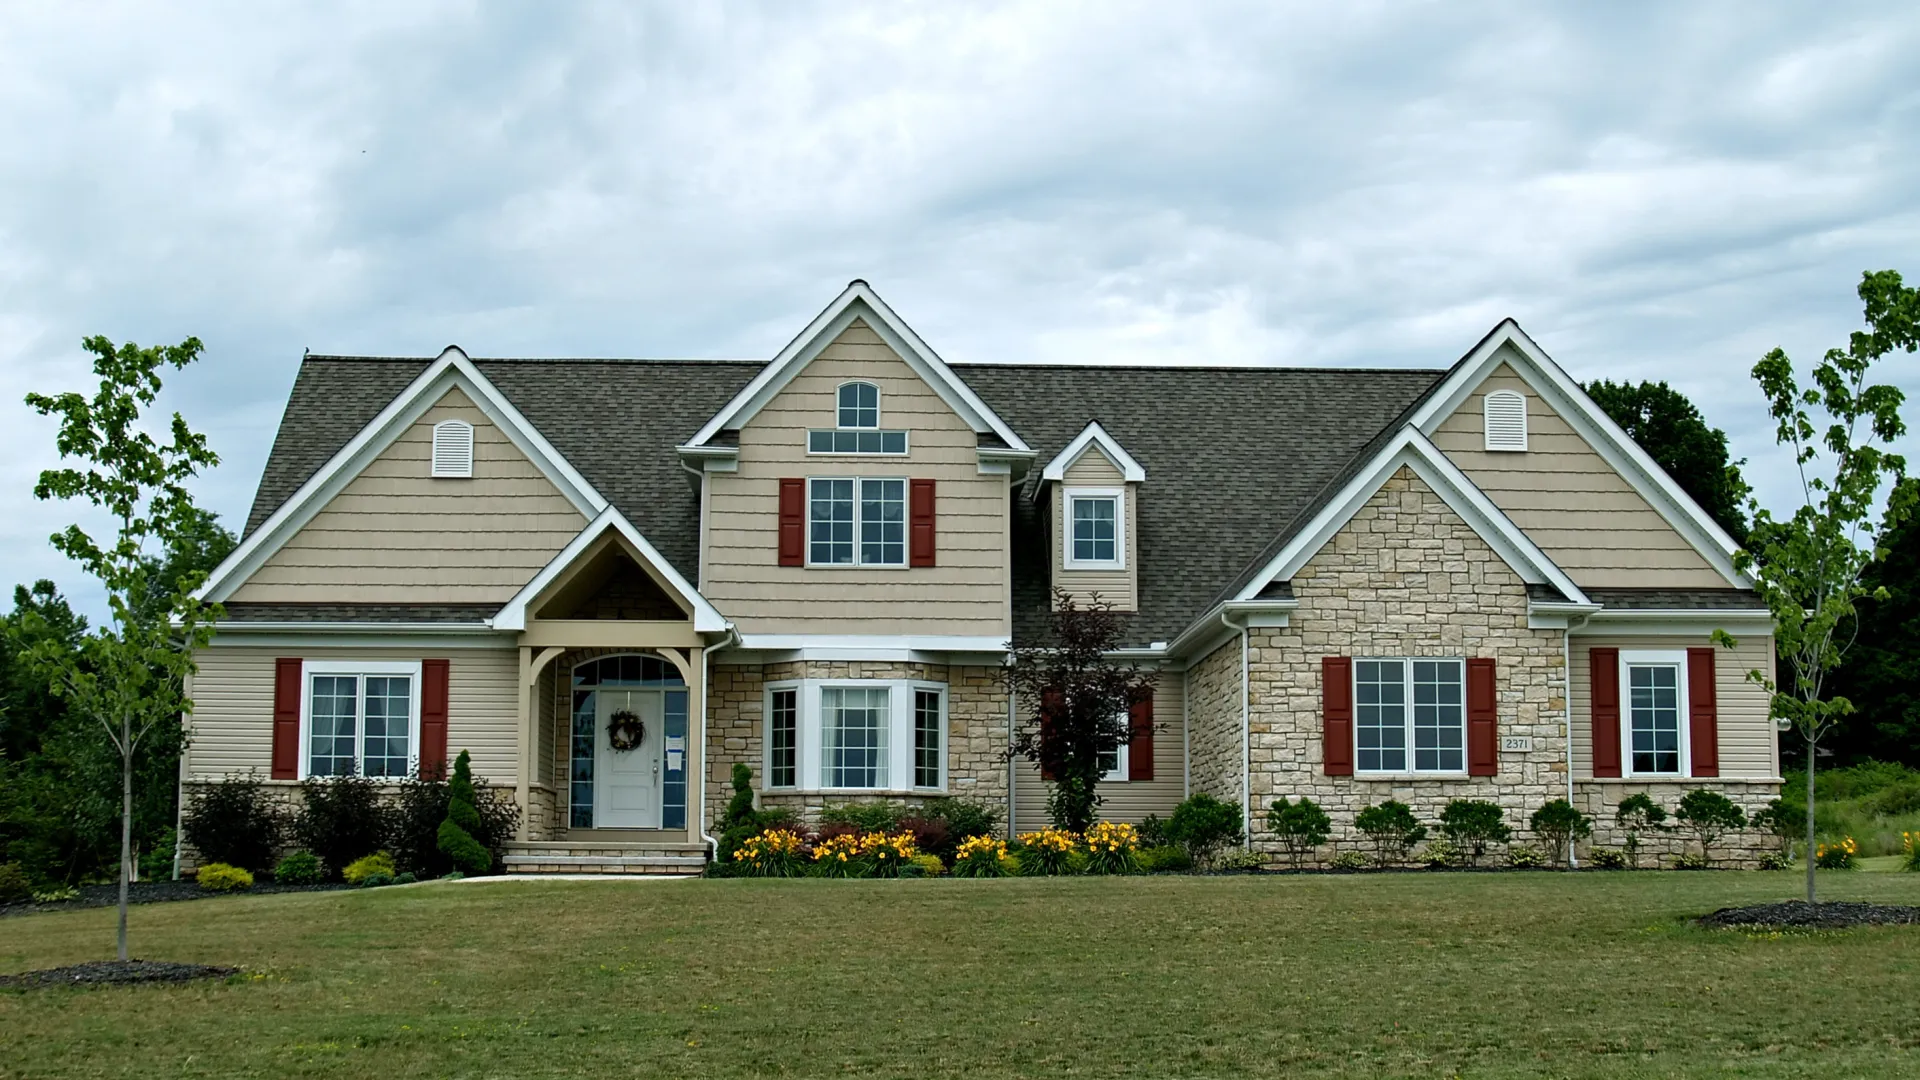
x=883 y=522
x=1409 y=715
x=856 y=521
x=783 y=738
x=857 y=405
x=1653 y=716
x=830 y=521
x=333 y=724
x=1439 y=716
x=388 y=709
x=854 y=723
x=1380 y=715
x=843 y=441
x=1096 y=521
x=928 y=727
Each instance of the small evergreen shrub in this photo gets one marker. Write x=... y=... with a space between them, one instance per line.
x=235 y=821
x=405 y=877
x=1301 y=827
x=341 y=820
x=1837 y=856
x=1607 y=859
x=219 y=877
x=741 y=822
x=419 y=805
x=1523 y=857
x=15 y=886
x=455 y=837
x=1204 y=825
x=1439 y=854
x=1349 y=861
x=299 y=868
x=980 y=856
x=1709 y=815
x=1473 y=824
x=1559 y=824
x=1782 y=822
x=1046 y=852
x=1775 y=860
x=375 y=881
x=359 y=870
x=1111 y=848
x=156 y=864
x=1163 y=859
x=1392 y=828
x=1636 y=814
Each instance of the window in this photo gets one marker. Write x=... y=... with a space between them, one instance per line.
x=859 y=735
x=453 y=448
x=361 y=719
x=927 y=725
x=856 y=425
x=1505 y=414
x=783 y=730
x=1653 y=710
x=1113 y=764
x=867 y=530
x=1403 y=705
x=1095 y=528
x=859 y=405
x=853 y=737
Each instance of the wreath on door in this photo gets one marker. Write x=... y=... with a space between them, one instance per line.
x=625 y=731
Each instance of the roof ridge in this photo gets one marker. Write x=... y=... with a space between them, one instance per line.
x=1024 y=366
x=697 y=361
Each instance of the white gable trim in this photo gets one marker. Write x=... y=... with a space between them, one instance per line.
x=1413 y=449
x=1614 y=445
x=858 y=301
x=451 y=370
x=706 y=618
x=1096 y=436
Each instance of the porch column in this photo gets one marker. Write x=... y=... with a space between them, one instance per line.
x=523 y=773
x=696 y=744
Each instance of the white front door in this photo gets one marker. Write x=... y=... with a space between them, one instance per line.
x=626 y=783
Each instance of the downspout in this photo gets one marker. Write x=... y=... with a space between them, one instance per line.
x=1246 y=739
x=1566 y=704
x=712 y=843
x=1013 y=767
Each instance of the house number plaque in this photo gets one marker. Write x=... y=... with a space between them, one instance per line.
x=1516 y=744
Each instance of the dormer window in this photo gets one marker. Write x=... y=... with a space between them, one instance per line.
x=1095 y=524
x=857 y=425
x=859 y=405
x=453 y=449
x=1506 y=420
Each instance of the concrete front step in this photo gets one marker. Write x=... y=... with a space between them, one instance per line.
x=604 y=857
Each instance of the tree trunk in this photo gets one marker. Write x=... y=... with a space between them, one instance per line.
x=126 y=822
x=1810 y=897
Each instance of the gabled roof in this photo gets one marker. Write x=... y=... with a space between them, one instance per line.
x=513 y=615
x=1094 y=436
x=857 y=301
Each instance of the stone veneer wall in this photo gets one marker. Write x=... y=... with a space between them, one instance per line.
x=1213 y=723
x=1599 y=799
x=976 y=729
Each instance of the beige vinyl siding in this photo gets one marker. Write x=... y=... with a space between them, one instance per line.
x=1119 y=587
x=396 y=534
x=233 y=707
x=965 y=593
x=1129 y=801
x=1568 y=500
x=1748 y=744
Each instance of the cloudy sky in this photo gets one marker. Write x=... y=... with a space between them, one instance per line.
x=1657 y=191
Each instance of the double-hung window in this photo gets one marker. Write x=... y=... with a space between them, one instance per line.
x=856 y=521
x=361 y=718
x=1095 y=528
x=864 y=735
x=1113 y=764
x=1410 y=715
x=856 y=427
x=1654 y=712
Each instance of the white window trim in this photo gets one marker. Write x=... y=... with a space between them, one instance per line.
x=906 y=539
x=809 y=746
x=1120 y=772
x=1677 y=659
x=1119 y=497
x=1353 y=691
x=1486 y=420
x=409 y=668
x=837 y=425
x=907 y=436
x=452 y=472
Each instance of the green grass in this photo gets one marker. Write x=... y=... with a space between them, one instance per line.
x=1539 y=974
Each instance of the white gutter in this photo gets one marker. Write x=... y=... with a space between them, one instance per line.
x=712 y=842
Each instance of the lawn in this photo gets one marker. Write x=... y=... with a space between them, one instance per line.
x=1519 y=974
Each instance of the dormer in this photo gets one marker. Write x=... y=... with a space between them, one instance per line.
x=1093 y=487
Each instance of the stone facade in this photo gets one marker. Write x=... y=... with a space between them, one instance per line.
x=1213 y=724
x=1599 y=799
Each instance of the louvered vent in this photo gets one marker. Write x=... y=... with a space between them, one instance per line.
x=453 y=448
x=1506 y=420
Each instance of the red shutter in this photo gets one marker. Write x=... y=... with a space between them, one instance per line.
x=1140 y=738
x=920 y=523
x=433 y=719
x=1603 y=696
x=1703 y=718
x=1336 y=715
x=1051 y=702
x=793 y=522
x=286 y=718
x=1483 y=719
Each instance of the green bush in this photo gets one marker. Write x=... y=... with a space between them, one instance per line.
x=929 y=865
x=1837 y=856
x=219 y=877
x=1439 y=854
x=1153 y=832
x=1607 y=859
x=55 y=894
x=1687 y=860
x=405 y=877
x=1522 y=857
x=419 y=805
x=1775 y=860
x=1783 y=823
x=1709 y=815
x=1301 y=827
x=1047 y=852
x=15 y=887
x=1894 y=800
x=235 y=821
x=1471 y=825
x=1238 y=861
x=867 y=817
x=1636 y=814
x=1163 y=859
x=1204 y=825
x=455 y=837
x=1392 y=828
x=1559 y=824
x=740 y=822
x=1349 y=861
x=375 y=881
x=963 y=818
x=156 y=863
x=342 y=819
x=300 y=868
x=377 y=864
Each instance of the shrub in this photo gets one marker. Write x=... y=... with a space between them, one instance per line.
x=1782 y=822
x=235 y=821
x=963 y=818
x=1523 y=857
x=929 y=865
x=375 y=881
x=1392 y=828
x=881 y=817
x=1775 y=860
x=15 y=888
x=1239 y=860
x=342 y=820
x=1203 y=825
x=1837 y=856
x=359 y=870
x=1471 y=825
x=1111 y=848
x=219 y=877
x=1687 y=860
x=1349 y=861
x=1710 y=815
x=1301 y=826
x=415 y=812
x=299 y=868
x=55 y=894
x=156 y=863
x=1153 y=832
x=455 y=837
x=1638 y=813
x=773 y=853
x=1046 y=852
x=1439 y=854
x=839 y=857
x=1163 y=859
x=405 y=877
x=980 y=856
x=1895 y=799
x=739 y=821
x=1607 y=859
x=1559 y=824
x=928 y=834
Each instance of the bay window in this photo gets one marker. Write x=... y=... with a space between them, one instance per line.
x=856 y=735
x=360 y=717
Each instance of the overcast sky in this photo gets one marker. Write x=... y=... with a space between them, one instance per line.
x=1659 y=191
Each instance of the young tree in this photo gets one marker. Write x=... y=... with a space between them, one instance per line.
x=128 y=676
x=1301 y=826
x=1077 y=702
x=1710 y=815
x=1809 y=567
x=456 y=840
x=1638 y=813
x=1559 y=824
x=1674 y=434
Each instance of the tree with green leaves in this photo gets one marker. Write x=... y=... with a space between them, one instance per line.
x=1392 y=828
x=1473 y=824
x=1674 y=434
x=128 y=675
x=1710 y=815
x=1301 y=826
x=1810 y=567
x=1880 y=675
x=1636 y=814
x=1559 y=824
x=456 y=837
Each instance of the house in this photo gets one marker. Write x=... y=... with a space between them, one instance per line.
x=611 y=580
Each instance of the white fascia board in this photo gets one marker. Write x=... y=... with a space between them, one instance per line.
x=1593 y=424
x=1677 y=622
x=414 y=636
x=1410 y=447
x=899 y=647
x=858 y=300
x=1096 y=436
x=706 y=618
x=451 y=370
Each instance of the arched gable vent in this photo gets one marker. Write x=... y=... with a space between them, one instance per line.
x=453 y=448
x=1506 y=420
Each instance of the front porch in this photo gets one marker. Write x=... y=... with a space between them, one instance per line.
x=606 y=851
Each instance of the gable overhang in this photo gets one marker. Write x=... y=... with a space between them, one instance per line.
x=857 y=301
x=611 y=522
x=1225 y=621
x=1412 y=449
x=1507 y=343
x=1094 y=437
x=451 y=370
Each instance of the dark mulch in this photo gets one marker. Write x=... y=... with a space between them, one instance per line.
x=154 y=892
x=102 y=972
x=1834 y=915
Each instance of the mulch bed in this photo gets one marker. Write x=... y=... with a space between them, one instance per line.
x=107 y=972
x=154 y=892
x=1834 y=915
